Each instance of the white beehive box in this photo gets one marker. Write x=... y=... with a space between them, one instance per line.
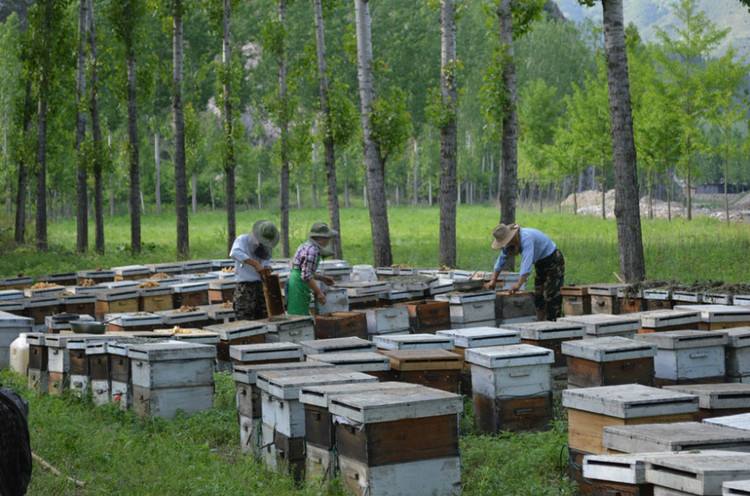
x=366 y=362
x=46 y=291
x=658 y=294
x=166 y=268
x=547 y=331
x=239 y=329
x=677 y=436
x=736 y=488
x=130 y=271
x=714 y=397
x=609 y=349
x=687 y=296
x=440 y=286
x=742 y=300
x=196 y=266
x=719 y=314
x=334 y=345
x=630 y=401
x=465 y=308
x=190 y=287
x=740 y=421
x=688 y=354
x=337 y=300
x=340 y=270
x=96 y=275
x=13 y=306
x=321 y=396
x=11 y=295
x=57 y=352
x=602 y=325
x=701 y=473
x=11 y=326
x=738 y=352
x=18 y=281
x=660 y=319
x=290 y=329
x=183 y=318
x=471 y=325
x=362 y=288
x=480 y=337
x=623 y=469
x=438 y=476
x=413 y=342
x=134 y=319
x=266 y=352
x=510 y=371
x=387 y=320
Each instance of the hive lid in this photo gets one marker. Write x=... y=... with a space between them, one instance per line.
x=405 y=360
x=741 y=421
x=11 y=295
x=13 y=281
x=14 y=305
x=61 y=340
x=81 y=341
x=281 y=323
x=190 y=287
x=413 y=342
x=719 y=313
x=546 y=330
x=608 y=349
x=661 y=294
x=160 y=290
x=606 y=289
x=698 y=473
x=77 y=299
x=515 y=355
x=248 y=373
x=42 y=301
x=238 y=329
x=283 y=386
x=655 y=319
x=680 y=340
x=321 y=395
x=364 y=288
x=35 y=338
x=456 y=298
x=478 y=337
x=171 y=350
x=603 y=324
x=739 y=337
x=218 y=311
x=195 y=336
x=629 y=401
x=178 y=316
x=166 y=267
x=265 y=351
x=102 y=347
x=95 y=274
x=622 y=468
x=718 y=396
x=204 y=265
x=395 y=404
x=220 y=284
x=352 y=359
x=736 y=488
x=118 y=293
x=678 y=436
x=131 y=270
x=133 y=319
x=336 y=345
x=15 y=321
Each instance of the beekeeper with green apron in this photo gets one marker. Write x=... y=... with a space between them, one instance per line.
x=303 y=278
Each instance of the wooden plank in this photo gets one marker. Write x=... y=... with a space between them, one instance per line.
x=272 y=294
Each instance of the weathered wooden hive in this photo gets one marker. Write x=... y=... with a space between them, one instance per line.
x=696 y=473
x=122 y=299
x=605 y=325
x=476 y=308
x=131 y=272
x=154 y=298
x=16 y=307
x=196 y=266
x=290 y=329
x=668 y=320
x=631 y=300
x=221 y=290
x=514 y=308
x=58 y=363
x=79 y=363
x=576 y=300
x=658 y=299
x=165 y=268
x=369 y=362
x=398 y=441
x=341 y=325
x=717 y=317
x=61 y=322
x=718 y=400
x=190 y=293
x=98 y=276
x=19 y=282
x=688 y=357
x=616 y=475
x=78 y=303
x=184 y=317
x=40 y=307
x=38 y=372
x=350 y=345
x=414 y=342
x=133 y=322
x=171 y=376
x=604 y=298
x=511 y=387
x=237 y=333
x=609 y=361
x=428 y=316
x=219 y=313
x=387 y=320
x=11 y=326
x=677 y=436
x=549 y=335
x=258 y=354
x=738 y=354
x=439 y=369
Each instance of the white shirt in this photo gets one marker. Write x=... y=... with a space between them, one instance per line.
x=244 y=248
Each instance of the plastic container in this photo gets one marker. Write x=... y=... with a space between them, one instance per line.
x=364 y=273
x=19 y=354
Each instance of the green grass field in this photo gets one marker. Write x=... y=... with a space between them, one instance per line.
x=679 y=250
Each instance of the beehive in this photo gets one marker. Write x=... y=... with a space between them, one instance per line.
x=133 y=322
x=658 y=299
x=339 y=270
x=736 y=488
x=514 y=308
x=360 y=289
x=265 y=353
x=78 y=361
x=428 y=316
x=154 y=298
x=58 y=363
x=677 y=436
x=235 y=333
x=738 y=354
x=438 y=369
x=190 y=293
x=165 y=268
x=687 y=357
x=78 y=303
x=11 y=326
x=220 y=313
x=387 y=320
x=617 y=475
x=341 y=325
x=131 y=272
x=609 y=362
x=718 y=400
x=511 y=387
x=39 y=307
x=290 y=329
x=98 y=276
x=405 y=439
x=413 y=342
x=116 y=300
x=184 y=317
x=630 y=300
x=604 y=298
x=549 y=335
x=369 y=362
x=668 y=320
x=171 y=376
x=478 y=306
x=604 y=325
x=717 y=317
x=221 y=290
x=337 y=300
x=576 y=300
x=739 y=421
x=37 y=373
x=592 y=409
x=698 y=473
x=196 y=266
x=350 y=345
x=18 y=282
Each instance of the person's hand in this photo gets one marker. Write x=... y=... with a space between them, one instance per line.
x=490 y=285
x=514 y=289
x=328 y=281
x=264 y=271
x=321 y=298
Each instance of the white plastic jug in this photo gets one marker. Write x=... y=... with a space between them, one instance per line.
x=19 y=354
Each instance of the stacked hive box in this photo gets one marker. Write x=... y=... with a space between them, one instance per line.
x=604 y=298
x=40 y=307
x=79 y=363
x=576 y=300
x=236 y=333
x=341 y=325
x=171 y=376
x=717 y=317
x=688 y=357
x=78 y=303
x=718 y=298
x=658 y=299
x=187 y=317
x=133 y=322
x=290 y=329
x=398 y=442
x=668 y=320
x=738 y=354
x=37 y=362
x=609 y=362
x=120 y=386
x=428 y=316
x=438 y=369
x=604 y=325
x=514 y=308
x=98 y=276
x=99 y=371
x=475 y=309
x=696 y=473
x=58 y=363
x=221 y=290
x=677 y=436
x=631 y=300
x=61 y=278
x=389 y=320
x=123 y=299
x=283 y=415
x=337 y=301
x=131 y=272
x=511 y=387
x=736 y=488
x=336 y=345
x=11 y=326
x=190 y=294
x=371 y=363
x=414 y=342
x=257 y=354
x=719 y=400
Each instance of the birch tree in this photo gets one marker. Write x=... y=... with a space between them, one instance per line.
x=180 y=169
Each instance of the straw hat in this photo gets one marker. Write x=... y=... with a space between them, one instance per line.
x=266 y=233
x=503 y=235
x=321 y=230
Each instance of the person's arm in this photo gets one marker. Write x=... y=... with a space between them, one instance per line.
x=319 y=295
x=328 y=281
x=496 y=271
x=527 y=260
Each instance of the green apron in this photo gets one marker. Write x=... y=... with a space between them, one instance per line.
x=298 y=294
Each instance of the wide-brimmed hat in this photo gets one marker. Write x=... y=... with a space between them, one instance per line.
x=266 y=233
x=321 y=230
x=503 y=235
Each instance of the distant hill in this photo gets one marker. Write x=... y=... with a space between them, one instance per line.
x=650 y=14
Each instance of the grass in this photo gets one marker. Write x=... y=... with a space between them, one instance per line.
x=679 y=250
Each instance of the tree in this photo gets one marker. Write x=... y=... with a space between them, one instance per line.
x=509 y=156
x=627 y=199
x=374 y=163
x=82 y=203
x=180 y=172
x=229 y=154
x=96 y=135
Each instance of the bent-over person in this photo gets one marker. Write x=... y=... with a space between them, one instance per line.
x=252 y=258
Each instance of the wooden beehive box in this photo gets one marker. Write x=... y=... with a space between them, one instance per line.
x=165 y=268
x=718 y=298
x=511 y=387
x=406 y=439
x=58 y=363
x=11 y=295
x=121 y=388
x=717 y=317
x=738 y=354
x=604 y=325
x=116 y=300
x=265 y=353
x=39 y=307
x=11 y=326
x=604 y=298
x=133 y=322
x=196 y=266
x=696 y=473
x=221 y=290
x=290 y=329
x=617 y=475
x=171 y=376
x=369 y=362
x=131 y=272
x=668 y=320
x=20 y=282
x=78 y=362
x=99 y=371
x=84 y=304
x=61 y=278
x=154 y=298
x=16 y=307
x=592 y=409
x=438 y=369
x=184 y=317
x=334 y=345
x=359 y=289
x=387 y=320
x=219 y=313
x=609 y=362
x=576 y=300
x=198 y=336
x=190 y=293
x=235 y=333
x=413 y=342
x=98 y=276
x=38 y=292
x=630 y=300
x=718 y=400
x=222 y=263
x=337 y=300
x=428 y=316
x=549 y=335
x=686 y=357
x=341 y=325
x=514 y=308
x=37 y=374
x=677 y=436
x=477 y=306
x=658 y=299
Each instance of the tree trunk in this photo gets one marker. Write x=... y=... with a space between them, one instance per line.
x=415 y=176
x=284 y=125
x=448 y=133
x=398 y=196
x=603 y=187
x=111 y=195
x=194 y=192
x=689 y=193
x=650 y=195
x=82 y=201
x=157 y=164
x=41 y=154
x=135 y=179
x=429 y=192
x=575 y=201
x=364 y=195
x=509 y=186
x=180 y=168
x=260 y=190
x=96 y=135
x=299 y=198
x=381 y=238
x=229 y=157
x=28 y=110
x=627 y=198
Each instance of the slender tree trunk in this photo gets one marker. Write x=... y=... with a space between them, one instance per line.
x=229 y=157
x=650 y=195
x=448 y=133
x=381 y=238
x=157 y=164
x=509 y=185
x=41 y=155
x=135 y=179
x=82 y=201
x=604 y=193
x=284 y=125
x=575 y=201
x=689 y=193
x=180 y=168
x=96 y=135
x=299 y=197
x=429 y=191
x=726 y=181
x=415 y=175
x=627 y=198
x=28 y=110
x=194 y=192
x=364 y=195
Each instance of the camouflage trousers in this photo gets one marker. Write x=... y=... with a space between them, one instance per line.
x=550 y=275
x=249 y=301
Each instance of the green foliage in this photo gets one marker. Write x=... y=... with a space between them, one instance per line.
x=538 y=111
x=391 y=122
x=343 y=111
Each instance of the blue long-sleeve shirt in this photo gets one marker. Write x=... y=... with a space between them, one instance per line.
x=535 y=245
